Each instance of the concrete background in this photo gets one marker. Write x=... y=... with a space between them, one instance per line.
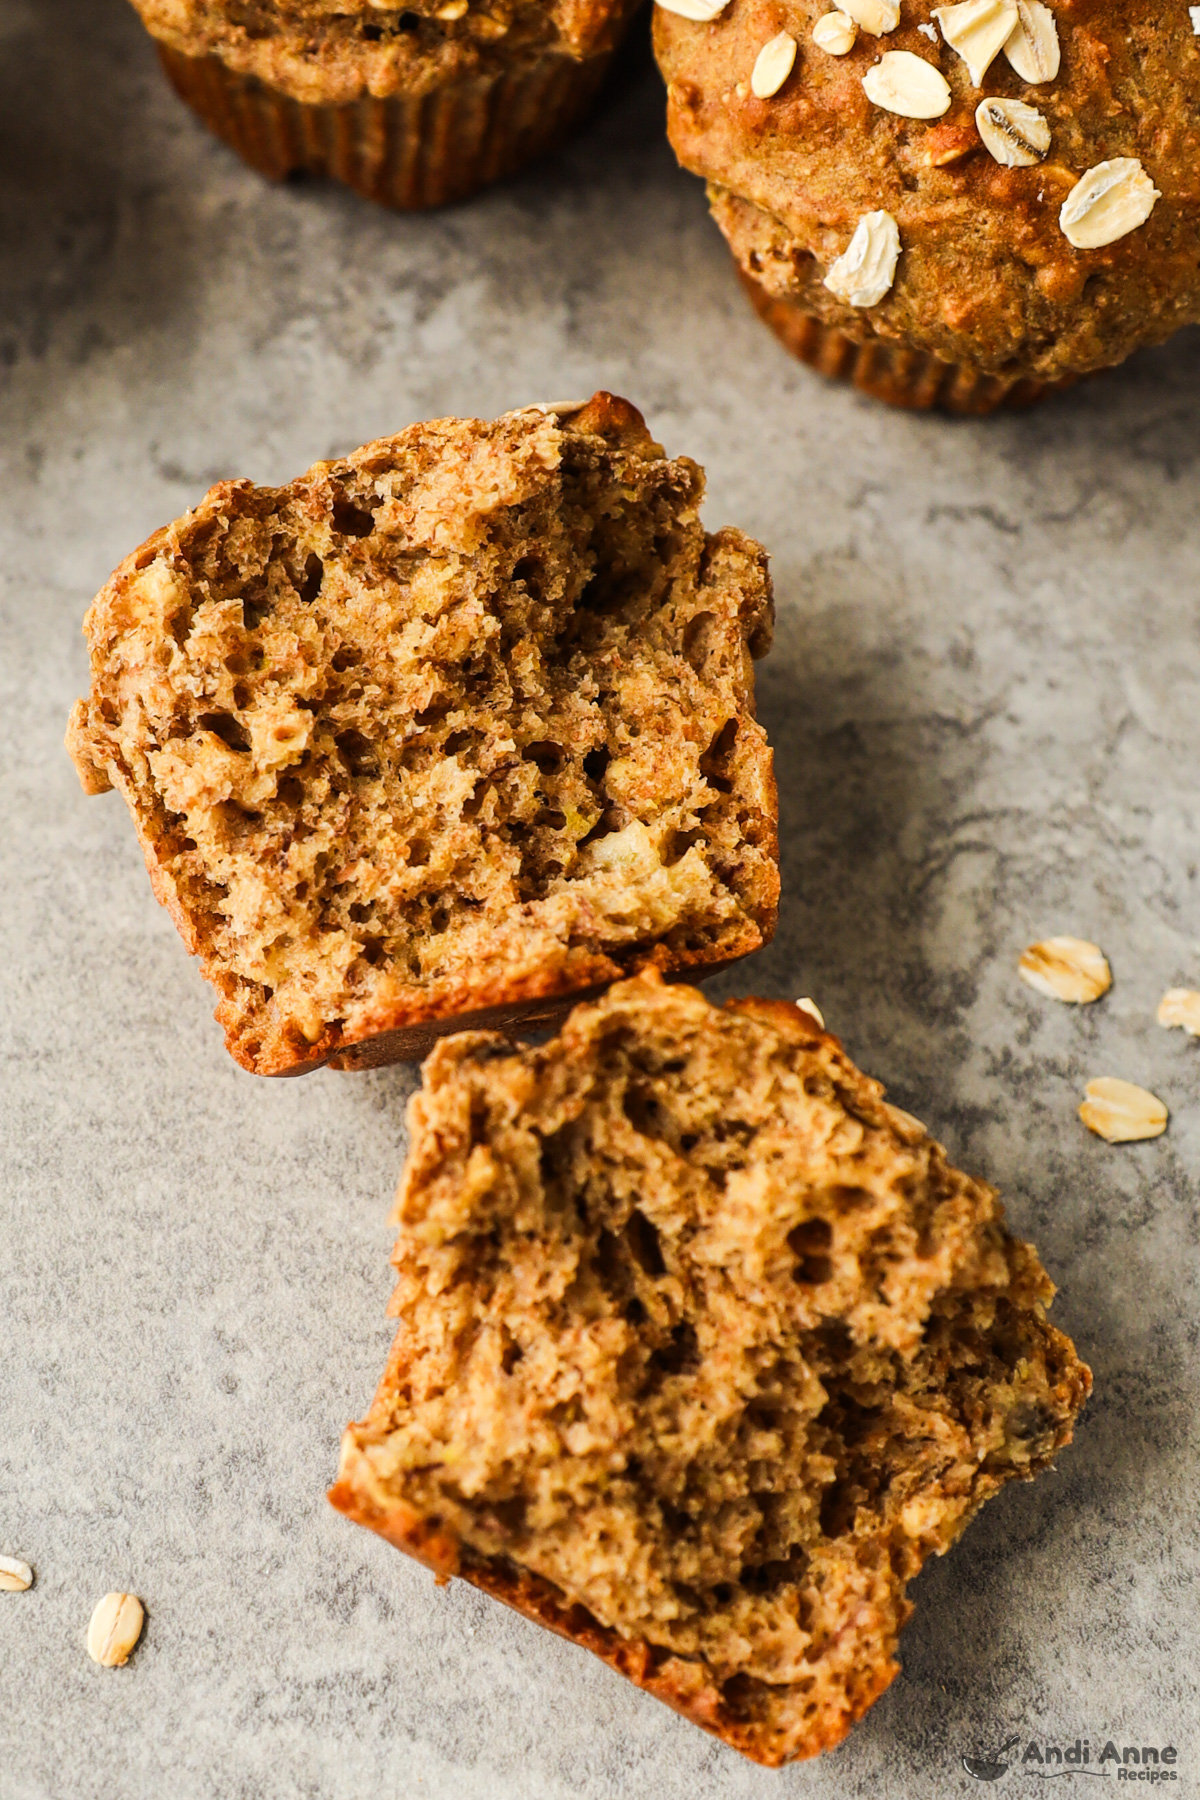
x=985 y=702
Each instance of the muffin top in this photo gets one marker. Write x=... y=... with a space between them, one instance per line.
x=333 y=51
x=1040 y=167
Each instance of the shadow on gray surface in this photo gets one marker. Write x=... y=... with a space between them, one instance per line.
x=105 y=176
x=91 y=249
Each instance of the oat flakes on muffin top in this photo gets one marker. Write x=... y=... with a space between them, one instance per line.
x=1000 y=264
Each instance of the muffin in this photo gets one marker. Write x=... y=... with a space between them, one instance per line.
x=961 y=206
x=702 y=1350
x=413 y=106
x=449 y=731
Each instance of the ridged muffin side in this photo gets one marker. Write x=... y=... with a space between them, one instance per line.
x=412 y=107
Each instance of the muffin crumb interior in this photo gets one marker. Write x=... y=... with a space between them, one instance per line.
x=700 y=1332
x=465 y=717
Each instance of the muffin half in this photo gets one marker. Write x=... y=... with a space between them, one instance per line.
x=702 y=1350
x=412 y=106
x=958 y=206
x=451 y=730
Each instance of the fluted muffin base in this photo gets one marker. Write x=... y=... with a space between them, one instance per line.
x=889 y=371
x=409 y=152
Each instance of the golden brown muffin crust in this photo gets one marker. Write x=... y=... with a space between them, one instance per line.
x=326 y=54
x=702 y=1349
x=986 y=277
x=450 y=729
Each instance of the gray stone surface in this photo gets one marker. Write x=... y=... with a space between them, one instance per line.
x=985 y=700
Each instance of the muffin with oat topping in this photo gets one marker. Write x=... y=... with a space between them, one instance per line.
x=959 y=206
x=412 y=105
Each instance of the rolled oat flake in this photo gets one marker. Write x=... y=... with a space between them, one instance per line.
x=835 y=34
x=978 y=30
x=877 y=17
x=907 y=85
x=701 y=12
x=866 y=269
x=1108 y=203
x=1066 y=968
x=773 y=65
x=15 y=1575
x=1032 y=47
x=1014 y=133
x=115 y=1628
x=1121 y=1112
x=1180 y=1007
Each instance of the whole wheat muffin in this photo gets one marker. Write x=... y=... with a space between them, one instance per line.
x=457 y=727
x=702 y=1349
x=411 y=105
x=1040 y=220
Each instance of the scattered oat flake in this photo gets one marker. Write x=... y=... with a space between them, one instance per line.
x=1194 y=16
x=1066 y=968
x=1181 y=1006
x=1121 y=1112
x=812 y=1009
x=115 y=1628
x=15 y=1575
x=773 y=65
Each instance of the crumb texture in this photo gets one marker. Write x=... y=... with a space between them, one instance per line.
x=330 y=54
x=460 y=722
x=702 y=1349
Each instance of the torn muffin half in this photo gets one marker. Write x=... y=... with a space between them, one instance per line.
x=446 y=732
x=702 y=1349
